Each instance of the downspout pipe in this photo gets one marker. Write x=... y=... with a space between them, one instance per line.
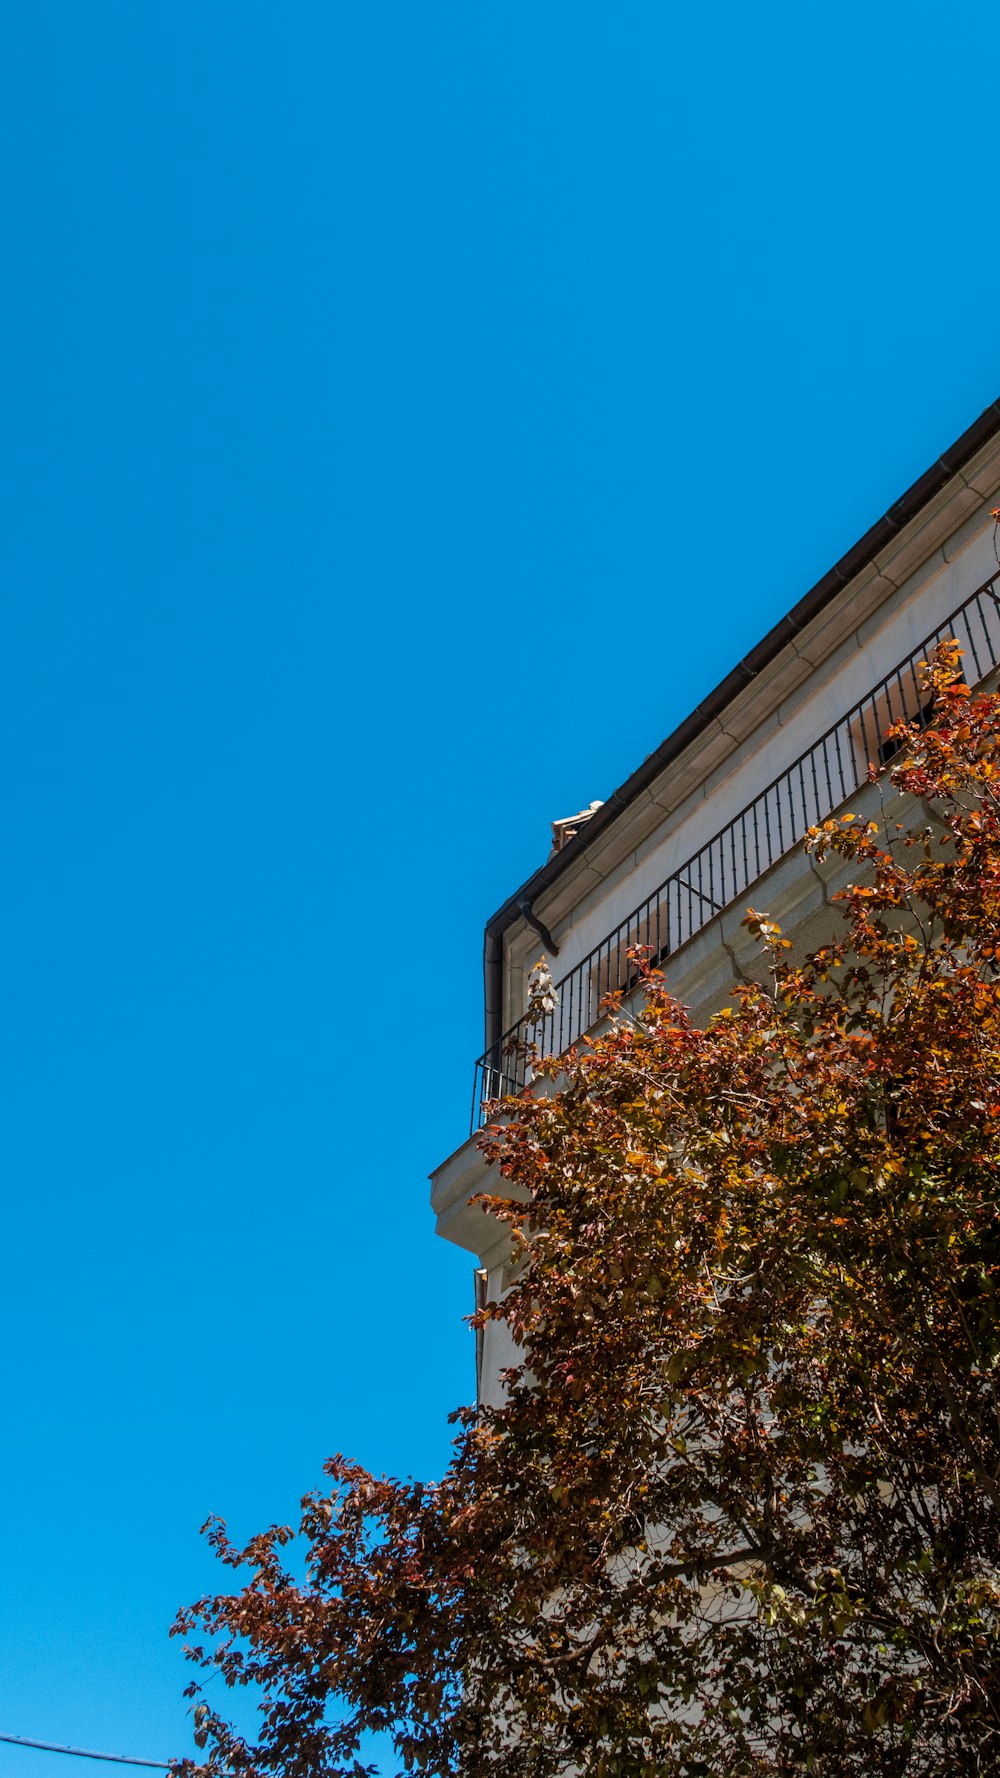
x=493 y=965
x=493 y=982
x=528 y=914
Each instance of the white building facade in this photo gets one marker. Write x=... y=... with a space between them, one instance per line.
x=712 y=821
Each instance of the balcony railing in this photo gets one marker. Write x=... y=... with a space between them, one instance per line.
x=777 y=819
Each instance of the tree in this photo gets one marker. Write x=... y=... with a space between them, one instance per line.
x=740 y=1510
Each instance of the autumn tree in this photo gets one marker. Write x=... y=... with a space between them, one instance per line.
x=740 y=1510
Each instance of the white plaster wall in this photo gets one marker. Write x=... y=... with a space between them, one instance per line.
x=499 y=1350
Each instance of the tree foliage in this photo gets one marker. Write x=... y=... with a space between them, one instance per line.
x=740 y=1510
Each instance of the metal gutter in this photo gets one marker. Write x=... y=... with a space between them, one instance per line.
x=520 y=904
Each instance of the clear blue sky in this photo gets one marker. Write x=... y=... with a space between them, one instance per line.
x=410 y=411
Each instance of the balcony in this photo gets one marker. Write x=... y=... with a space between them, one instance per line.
x=814 y=786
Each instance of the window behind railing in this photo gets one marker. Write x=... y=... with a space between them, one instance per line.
x=777 y=819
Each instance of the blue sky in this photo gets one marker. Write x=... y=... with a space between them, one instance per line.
x=410 y=413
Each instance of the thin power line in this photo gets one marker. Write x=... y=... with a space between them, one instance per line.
x=120 y=1759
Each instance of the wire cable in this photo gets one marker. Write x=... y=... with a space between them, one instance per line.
x=121 y=1759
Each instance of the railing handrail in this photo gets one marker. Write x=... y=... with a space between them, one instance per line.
x=491 y=1069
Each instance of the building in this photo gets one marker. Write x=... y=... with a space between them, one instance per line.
x=712 y=821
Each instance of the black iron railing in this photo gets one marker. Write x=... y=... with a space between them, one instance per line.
x=805 y=793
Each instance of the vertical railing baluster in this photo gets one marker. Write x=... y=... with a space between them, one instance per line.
x=974 y=650
x=840 y=766
x=987 y=638
x=812 y=761
x=870 y=758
